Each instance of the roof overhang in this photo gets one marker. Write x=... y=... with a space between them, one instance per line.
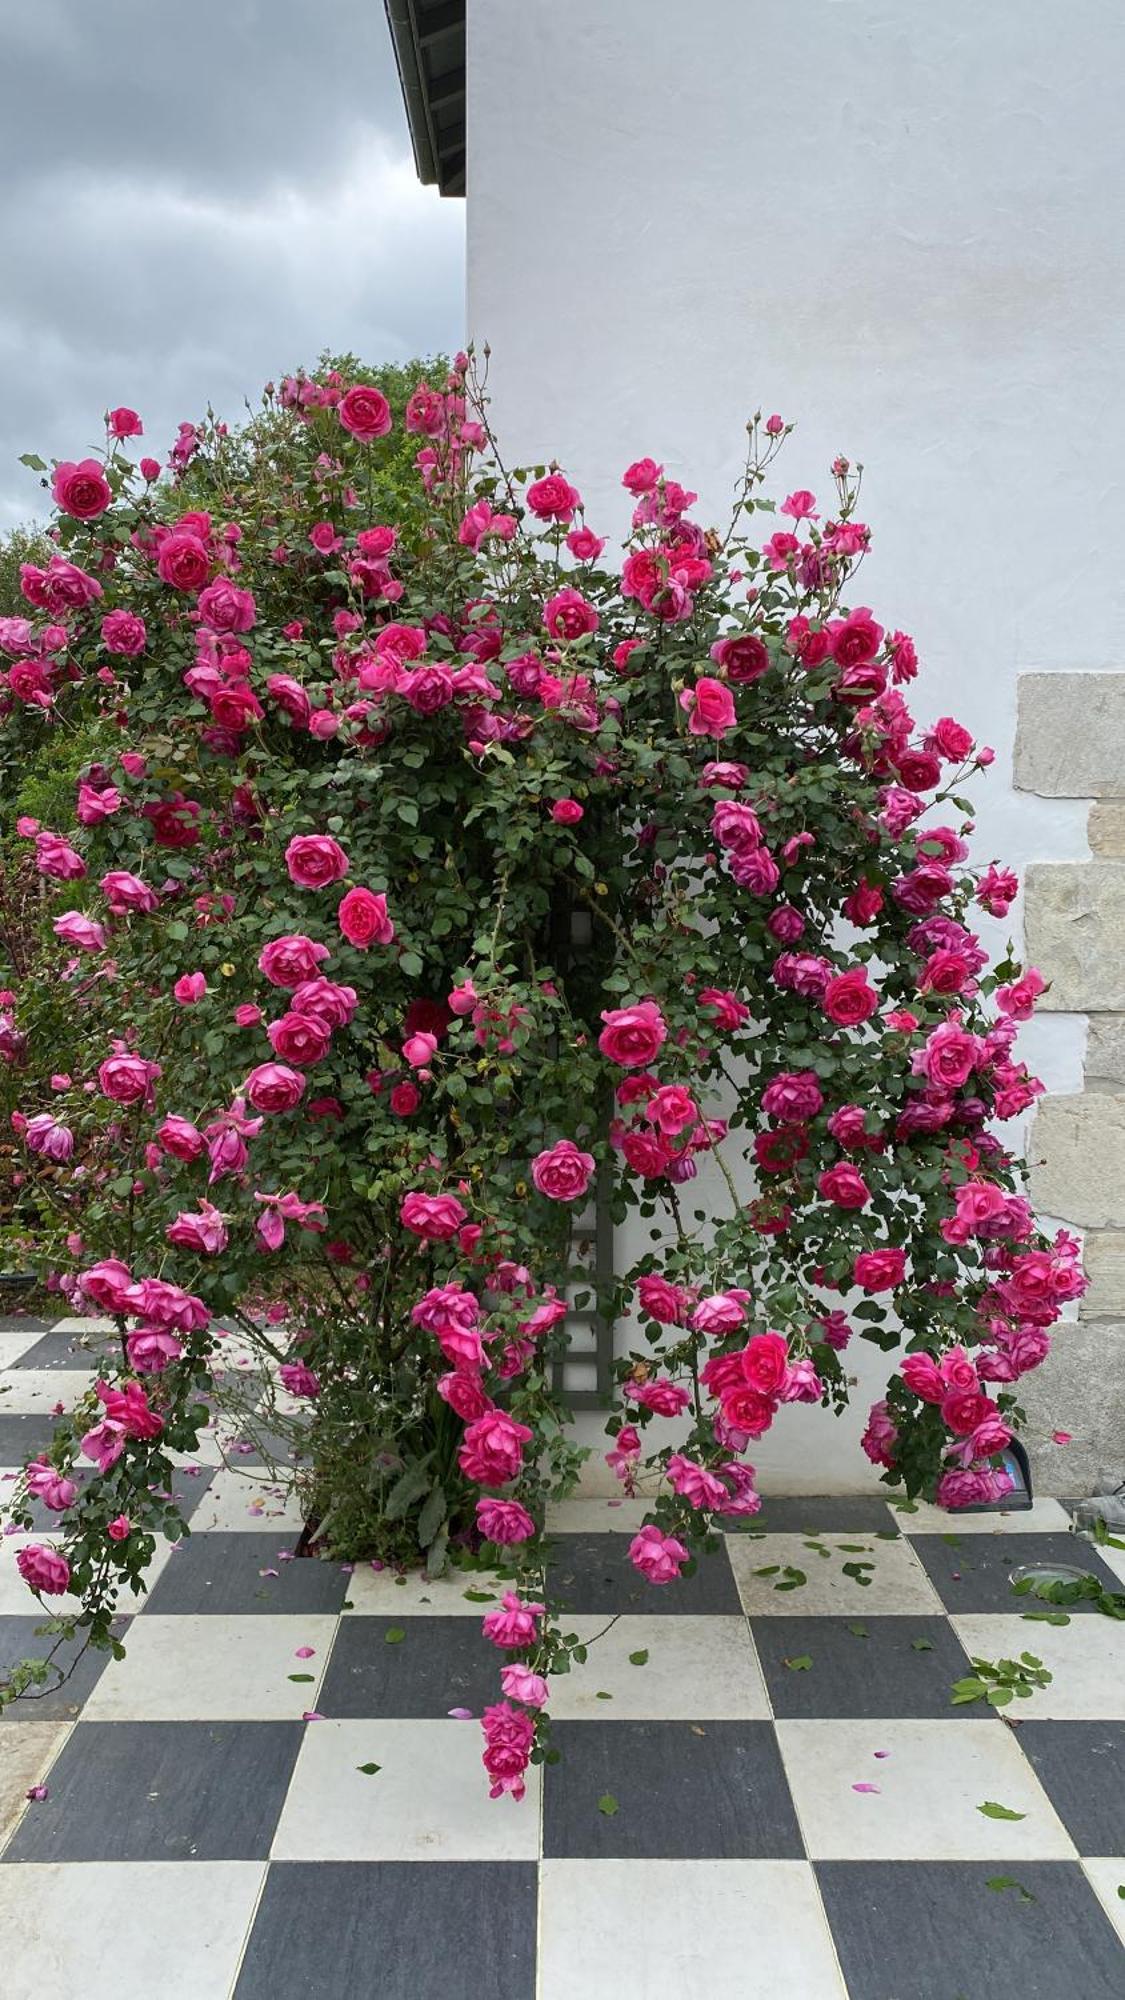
x=429 y=45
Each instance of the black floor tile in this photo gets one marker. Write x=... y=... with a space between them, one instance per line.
x=220 y=1572
x=706 y=1790
x=69 y=1350
x=440 y=1663
x=974 y=1572
x=19 y=1641
x=162 y=1791
x=17 y=1322
x=433 y=1930
x=878 y=1667
x=831 y=1514
x=934 y=1930
x=24 y=1437
x=1081 y=1767
x=592 y=1573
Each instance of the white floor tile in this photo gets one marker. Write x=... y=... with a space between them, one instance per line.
x=1086 y=1658
x=427 y=1802
x=12 y=1345
x=35 y=1391
x=930 y=1784
x=897 y=1581
x=248 y=1501
x=594 y=1517
x=27 y=1750
x=698 y=1670
x=684 y=1930
x=16 y=1600
x=1043 y=1517
x=214 y=1668
x=378 y=1593
x=84 y=1323
x=1113 y=1559
x=1107 y=1879
x=177 y=1930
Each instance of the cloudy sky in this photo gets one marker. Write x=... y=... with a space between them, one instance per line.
x=197 y=198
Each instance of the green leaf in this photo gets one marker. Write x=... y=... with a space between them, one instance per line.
x=394 y=1636
x=771 y=1569
x=607 y=1804
x=32 y=461
x=969 y=1689
x=431 y=1516
x=369 y=1770
x=302 y=1677
x=1009 y=1882
x=857 y=1571
x=410 y=965
x=479 y=1596
x=410 y=1487
x=991 y=1810
x=800 y=1664
x=1046 y=1617
x=1000 y=1697
x=922 y=1645
x=601 y=1695
x=639 y=1659
x=859 y=1631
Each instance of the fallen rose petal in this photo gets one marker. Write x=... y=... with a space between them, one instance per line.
x=880 y=1753
x=37 y=1793
x=269 y=1572
x=1061 y=1437
x=313 y=1715
x=305 y=1653
x=460 y=1714
x=866 y=1788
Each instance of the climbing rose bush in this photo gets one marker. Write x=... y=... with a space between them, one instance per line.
x=439 y=871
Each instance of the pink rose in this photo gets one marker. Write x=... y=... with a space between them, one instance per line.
x=104 y=1444
x=719 y=1314
x=672 y=1109
x=181 y=1138
x=274 y=1087
x=492 y=1449
x=150 y=469
x=662 y=1396
x=710 y=707
x=365 y=412
x=124 y=423
x=763 y=1362
x=584 y=545
x=44 y=1482
x=658 y=1557
x=182 y=560
x=124 y=633
x=314 y=860
x=794 y=1096
x=434 y=1217
x=880 y=1439
x=743 y=657
x=288 y=961
x=844 y=1185
x=879 y=1270
x=128 y=1079
x=190 y=988
x=508 y=1737
x=74 y=928
x=151 y=1350
x=299 y=1379
x=205 y=1232
x=848 y=999
x=504 y=1521
x=226 y=608
x=120 y=1528
x=553 y=498
x=569 y=616
x=299 y=1038
x=125 y=892
x=43 y=1569
x=920 y=1372
x=107 y=1284
x=567 y=812
x=562 y=1172
x=520 y=1684
x=633 y=1035
x=950 y=739
x=514 y=1623
x=81 y=490
x=641 y=476
x=363 y=919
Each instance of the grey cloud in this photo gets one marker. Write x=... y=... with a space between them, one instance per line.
x=197 y=200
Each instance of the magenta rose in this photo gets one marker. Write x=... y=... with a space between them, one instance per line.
x=181 y=1138
x=365 y=412
x=567 y=812
x=743 y=658
x=81 y=490
x=553 y=498
x=274 y=1087
x=746 y=1410
x=124 y=633
x=314 y=860
x=124 y=423
x=151 y=1350
x=658 y=1557
x=363 y=919
x=43 y=1569
x=182 y=560
x=299 y=1038
x=290 y=960
x=513 y=1624
x=844 y=1185
x=879 y=1270
x=492 y=1449
x=504 y=1521
x=508 y=1737
x=848 y=999
x=568 y=615
x=921 y=1373
x=632 y=1036
x=794 y=1096
x=226 y=608
x=562 y=1172
x=710 y=707
x=127 y=1079
x=81 y=931
x=764 y=1361
x=434 y=1217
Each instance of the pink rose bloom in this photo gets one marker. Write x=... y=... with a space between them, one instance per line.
x=274 y=1087
x=672 y=1109
x=81 y=490
x=659 y=1299
x=80 y=931
x=879 y=1270
x=633 y=1035
x=1018 y=1000
x=562 y=1172
x=700 y=1488
x=844 y=1185
x=949 y=1056
x=420 y=1049
x=151 y=1350
x=314 y=860
x=124 y=633
x=508 y=1736
x=290 y=960
x=127 y=1079
x=55 y=857
x=150 y=469
x=463 y=999
x=920 y=1372
x=710 y=707
x=299 y=1038
x=520 y=1684
x=764 y=1361
x=662 y=1397
x=43 y=1569
x=801 y=1383
x=553 y=498
x=641 y=476
x=794 y=1096
x=181 y=1138
x=50 y=1486
x=434 y=1217
x=719 y=1314
x=880 y=1439
x=658 y=1557
x=743 y=657
x=567 y=812
x=182 y=560
x=365 y=412
x=299 y=1379
x=104 y=1444
x=363 y=919
x=226 y=608
x=107 y=1284
x=125 y=892
x=124 y=423
x=492 y=1449
x=120 y=1528
x=204 y=1231
x=848 y=999
x=513 y=1624
x=504 y=1521
x=45 y=1136
x=190 y=988
x=584 y=545
x=568 y=615
x=968 y=1488
x=464 y=1393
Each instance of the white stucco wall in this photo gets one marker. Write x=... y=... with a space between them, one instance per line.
x=900 y=226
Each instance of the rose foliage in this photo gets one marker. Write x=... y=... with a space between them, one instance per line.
x=438 y=867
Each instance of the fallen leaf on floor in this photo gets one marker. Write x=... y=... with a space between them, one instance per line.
x=369 y=1770
x=394 y=1635
x=607 y=1804
x=639 y=1659
x=922 y=1645
x=991 y=1810
x=800 y=1664
x=1009 y=1882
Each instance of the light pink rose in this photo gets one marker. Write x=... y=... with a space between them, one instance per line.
x=43 y=1569
x=710 y=707
x=658 y=1557
x=314 y=860
x=562 y=1172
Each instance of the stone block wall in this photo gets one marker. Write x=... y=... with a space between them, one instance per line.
x=1070 y=744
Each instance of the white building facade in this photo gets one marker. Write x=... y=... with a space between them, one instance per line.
x=901 y=227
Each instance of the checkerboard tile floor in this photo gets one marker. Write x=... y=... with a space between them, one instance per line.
x=797 y=1801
